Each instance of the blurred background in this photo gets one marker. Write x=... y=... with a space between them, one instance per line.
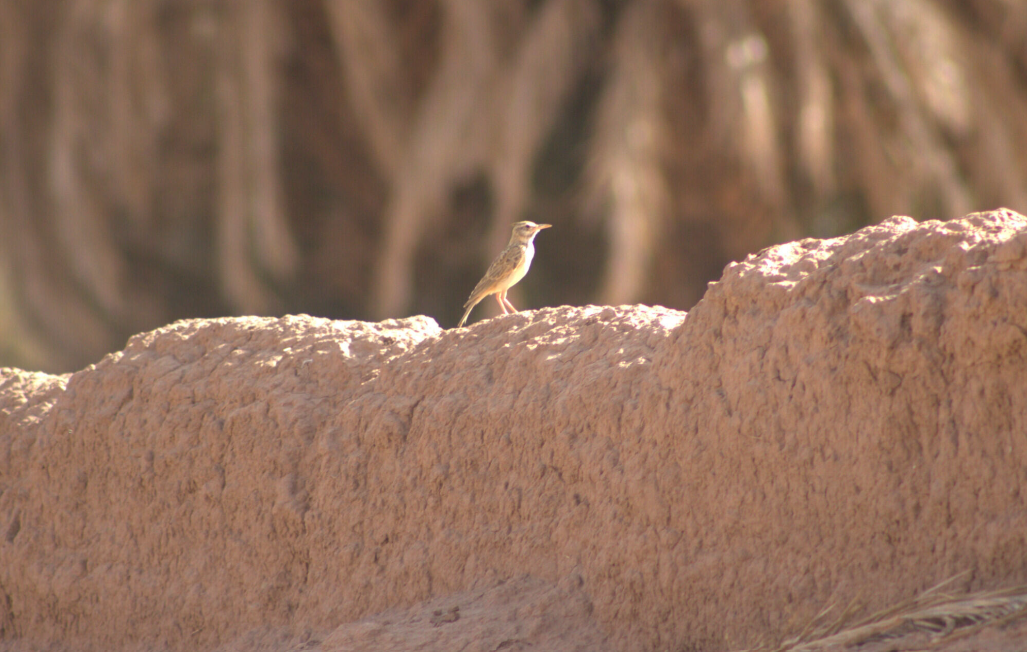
x=364 y=159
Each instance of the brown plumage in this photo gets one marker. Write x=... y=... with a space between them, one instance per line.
x=507 y=269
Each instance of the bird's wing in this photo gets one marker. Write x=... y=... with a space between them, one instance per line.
x=502 y=266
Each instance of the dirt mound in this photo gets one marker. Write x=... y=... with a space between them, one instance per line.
x=835 y=419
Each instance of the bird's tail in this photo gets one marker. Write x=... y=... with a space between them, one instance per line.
x=467 y=311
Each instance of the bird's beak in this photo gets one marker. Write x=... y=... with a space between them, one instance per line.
x=542 y=226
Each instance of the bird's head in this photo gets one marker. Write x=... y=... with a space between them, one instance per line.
x=525 y=231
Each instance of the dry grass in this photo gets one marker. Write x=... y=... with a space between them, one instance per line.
x=936 y=614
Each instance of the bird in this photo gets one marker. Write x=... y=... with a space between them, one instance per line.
x=507 y=269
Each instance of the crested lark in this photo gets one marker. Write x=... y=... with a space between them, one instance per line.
x=507 y=269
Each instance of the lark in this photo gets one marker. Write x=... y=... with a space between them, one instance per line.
x=507 y=269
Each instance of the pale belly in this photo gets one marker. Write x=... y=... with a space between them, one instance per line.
x=520 y=272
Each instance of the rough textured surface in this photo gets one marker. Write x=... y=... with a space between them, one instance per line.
x=835 y=419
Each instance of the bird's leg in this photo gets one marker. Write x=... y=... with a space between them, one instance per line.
x=508 y=304
x=499 y=298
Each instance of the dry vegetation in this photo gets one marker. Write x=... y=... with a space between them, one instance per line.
x=929 y=620
x=364 y=158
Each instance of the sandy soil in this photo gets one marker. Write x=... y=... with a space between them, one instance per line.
x=835 y=420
